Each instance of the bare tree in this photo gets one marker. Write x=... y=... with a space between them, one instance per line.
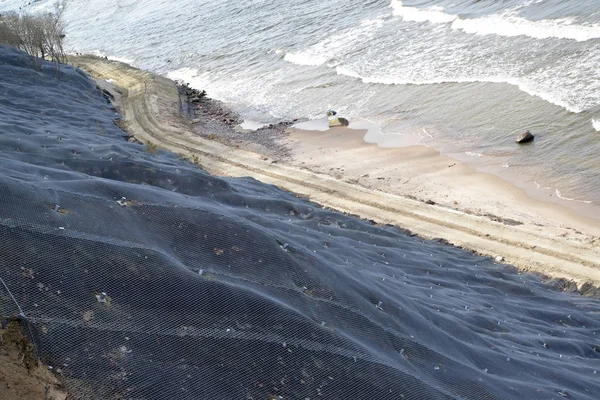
x=39 y=35
x=54 y=34
x=9 y=30
x=33 y=39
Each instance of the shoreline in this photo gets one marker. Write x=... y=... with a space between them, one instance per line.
x=546 y=192
x=558 y=248
x=572 y=211
x=423 y=174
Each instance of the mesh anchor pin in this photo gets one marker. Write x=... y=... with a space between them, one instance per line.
x=102 y=298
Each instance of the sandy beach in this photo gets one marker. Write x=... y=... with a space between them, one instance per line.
x=414 y=188
x=421 y=173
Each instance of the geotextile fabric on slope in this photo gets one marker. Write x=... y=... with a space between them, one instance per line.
x=142 y=277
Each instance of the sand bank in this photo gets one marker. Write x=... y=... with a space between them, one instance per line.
x=413 y=188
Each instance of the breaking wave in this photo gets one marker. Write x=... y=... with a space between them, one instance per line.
x=560 y=196
x=129 y=61
x=434 y=15
x=506 y=24
x=336 y=44
x=526 y=87
x=305 y=58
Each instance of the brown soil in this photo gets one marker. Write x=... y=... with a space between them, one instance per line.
x=22 y=377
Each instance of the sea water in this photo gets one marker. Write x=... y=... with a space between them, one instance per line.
x=463 y=77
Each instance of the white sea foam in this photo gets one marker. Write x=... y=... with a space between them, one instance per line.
x=237 y=89
x=540 y=186
x=336 y=44
x=527 y=87
x=560 y=196
x=308 y=57
x=98 y=53
x=121 y=59
x=474 y=154
x=187 y=75
x=596 y=124
x=422 y=137
x=506 y=23
x=341 y=70
x=339 y=51
x=434 y=15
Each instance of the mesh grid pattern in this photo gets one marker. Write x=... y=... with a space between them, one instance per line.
x=232 y=289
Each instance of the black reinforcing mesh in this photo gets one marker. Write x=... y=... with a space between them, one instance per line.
x=143 y=277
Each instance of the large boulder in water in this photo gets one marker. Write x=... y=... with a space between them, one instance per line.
x=339 y=121
x=525 y=137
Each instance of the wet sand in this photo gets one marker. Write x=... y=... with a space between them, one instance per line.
x=421 y=173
